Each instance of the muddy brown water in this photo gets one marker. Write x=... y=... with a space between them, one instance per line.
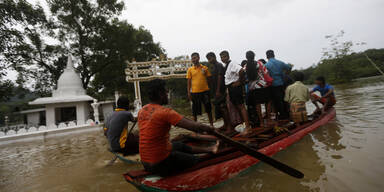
x=344 y=155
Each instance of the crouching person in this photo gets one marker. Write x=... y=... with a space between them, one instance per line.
x=119 y=137
x=297 y=95
x=157 y=153
x=327 y=98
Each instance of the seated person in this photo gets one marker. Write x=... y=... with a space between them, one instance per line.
x=297 y=95
x=327 y=98
x=117 y=129
x=157 y=153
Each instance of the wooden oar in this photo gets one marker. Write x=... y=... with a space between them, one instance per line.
x=264 y=158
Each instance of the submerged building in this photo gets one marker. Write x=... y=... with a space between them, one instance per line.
x=69 y=102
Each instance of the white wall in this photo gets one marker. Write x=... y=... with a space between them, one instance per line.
x=33 y=119
x=50 y=117
x=82 y=112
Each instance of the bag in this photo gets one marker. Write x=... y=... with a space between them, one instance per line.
x=268 y=79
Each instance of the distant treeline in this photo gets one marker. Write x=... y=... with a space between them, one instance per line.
x=346 y=68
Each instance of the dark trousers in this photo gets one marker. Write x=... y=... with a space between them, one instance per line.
x=179 y=159
x=277 y=94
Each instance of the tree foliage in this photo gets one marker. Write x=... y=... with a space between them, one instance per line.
x=339 y=64
x=357 y=64
x=36 y=44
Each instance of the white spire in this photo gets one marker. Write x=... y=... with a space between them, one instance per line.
x=69 y=82
x=69 y=62
x=69 y=88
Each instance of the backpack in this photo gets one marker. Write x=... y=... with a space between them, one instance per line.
x=268 y=79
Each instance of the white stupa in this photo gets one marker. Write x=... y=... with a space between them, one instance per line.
x=69 y=102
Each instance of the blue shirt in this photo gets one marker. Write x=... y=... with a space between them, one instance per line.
x=323 y=90
x=276 y=71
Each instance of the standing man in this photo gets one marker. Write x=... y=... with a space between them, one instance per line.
x=277 y=70
x=234 y=78
x=218 y=85
x=198 y=90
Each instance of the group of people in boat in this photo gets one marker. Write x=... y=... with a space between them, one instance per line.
x=250 y=83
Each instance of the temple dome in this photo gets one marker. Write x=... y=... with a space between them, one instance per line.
x=69 y=83
x=69 y=88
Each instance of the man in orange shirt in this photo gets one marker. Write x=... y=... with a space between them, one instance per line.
x=198 y=89
x=157 y=153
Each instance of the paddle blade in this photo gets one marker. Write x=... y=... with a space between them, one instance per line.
x=260 y=156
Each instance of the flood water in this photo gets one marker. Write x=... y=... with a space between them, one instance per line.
x=344 y=155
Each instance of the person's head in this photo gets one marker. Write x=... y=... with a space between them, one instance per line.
x=270 y=54
x=320 y=81
x=211 y=57
x=123 y=103
x=195 y=58
x=157 y=92
x=243 y=63
x=250 y=55
x=299 y=76
x=262 y=61
x=224 y=55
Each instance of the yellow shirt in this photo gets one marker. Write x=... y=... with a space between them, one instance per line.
x=297 y=93
x=198 y=76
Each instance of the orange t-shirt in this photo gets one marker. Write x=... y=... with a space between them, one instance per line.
x=154 y=124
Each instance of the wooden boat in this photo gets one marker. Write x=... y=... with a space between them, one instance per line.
x=226 y=164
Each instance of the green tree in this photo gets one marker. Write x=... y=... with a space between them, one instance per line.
x=126 y=43
x=82 y=26
x=36 y=46
x=23 y=28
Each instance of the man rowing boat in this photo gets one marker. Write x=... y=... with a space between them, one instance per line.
x=157 y=153
x=119 y=137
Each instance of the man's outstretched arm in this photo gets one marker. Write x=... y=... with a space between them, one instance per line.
x=193 y=126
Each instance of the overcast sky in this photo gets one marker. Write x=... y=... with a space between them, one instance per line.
x=295 y=29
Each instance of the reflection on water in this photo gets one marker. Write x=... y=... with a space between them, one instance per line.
x=344 y=155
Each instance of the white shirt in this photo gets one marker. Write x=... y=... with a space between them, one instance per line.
x=232 y=73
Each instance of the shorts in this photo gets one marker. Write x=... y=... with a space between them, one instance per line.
x=298 y=112
x=220 y=105
x=236 y=94
x=258 y=96
x=197 y=100
x=179 y=159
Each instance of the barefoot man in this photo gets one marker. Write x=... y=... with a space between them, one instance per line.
x=221 y=110
x=234 y=78
x=157 y=153
x=327 y=98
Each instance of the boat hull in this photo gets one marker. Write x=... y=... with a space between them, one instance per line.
x=211 y=176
